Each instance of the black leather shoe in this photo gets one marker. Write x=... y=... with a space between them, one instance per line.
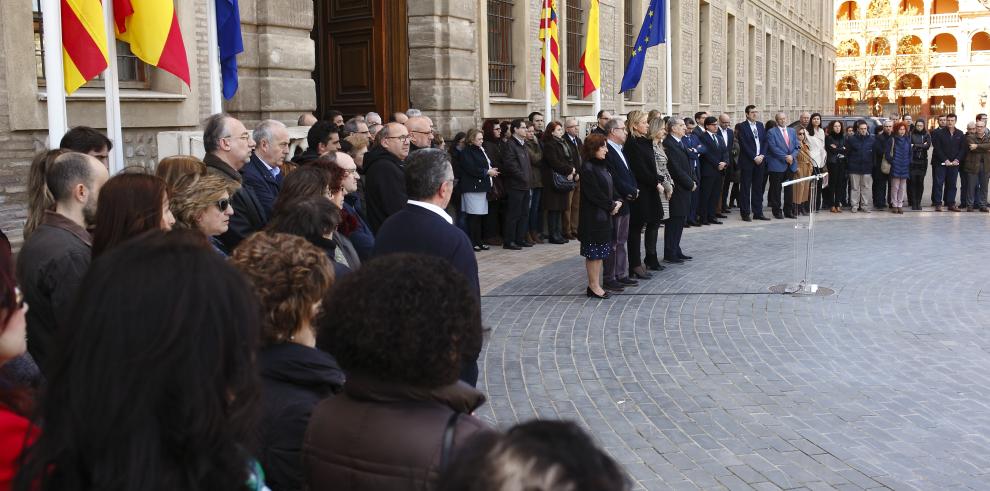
x=592 y=294
x=557 y=241
x=478 y=248
x=640 y=276
x=693 y=223
x=778 y=216
x=673 y=261
x=511 y=246
x=627 y=281
x=761 y=217
x=715 y=222
x=527 y=244
x=685 y=257
x=484 y=247
x=719 y=215
x=655 y=267
x=614 y=286
x=747 y=219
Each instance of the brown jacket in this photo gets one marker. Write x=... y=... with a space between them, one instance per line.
x=978 y=159
x=384 y=436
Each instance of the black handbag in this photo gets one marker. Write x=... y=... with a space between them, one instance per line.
x=561 y=184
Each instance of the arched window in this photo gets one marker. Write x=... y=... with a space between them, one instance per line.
x=847 y=83
x=847 y=11
x=909 y=45
x=981 y=42
x=878 y=9
x=849 y=47
x=878 y=82
x=878 y=47
x=945 y=43
x=942 y=80
x=909 y=81
x=945 y=6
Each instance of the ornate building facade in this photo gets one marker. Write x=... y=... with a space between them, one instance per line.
x=920 y=57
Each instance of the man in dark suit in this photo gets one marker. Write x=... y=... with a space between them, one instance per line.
x=729 y=188
x=571 y=131
x=679 y=166
x=752 y=137
x=263 y=174
x=616 y=266
x=228 y=146
x=423 y=227
x=515 y=173
x=713 y=162
x=950 y=149
x=384 y=182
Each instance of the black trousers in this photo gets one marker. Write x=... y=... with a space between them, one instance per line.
x=965 y=200
x=469 y=370
x=636 y=225
x=836 y=190
x=672 y=231
x=773 y=199
x=474 y=228
x=516 y=216
x=880 y=183
x=711 y=186
x=751 y=189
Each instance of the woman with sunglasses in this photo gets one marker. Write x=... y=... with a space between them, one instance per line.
x=203 y=203
x=15 y=400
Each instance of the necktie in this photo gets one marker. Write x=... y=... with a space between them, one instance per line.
x=721 y=141
x=787 y=139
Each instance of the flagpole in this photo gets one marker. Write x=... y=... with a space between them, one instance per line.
x=546 y=62
x=54 y=74
x=213 y=53
x=111 y=87
x=598 y=102
x=669 y=72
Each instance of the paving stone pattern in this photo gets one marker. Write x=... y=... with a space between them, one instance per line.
x=701 y=379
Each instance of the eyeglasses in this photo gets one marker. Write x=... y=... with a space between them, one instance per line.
x=428 y=132
x=403 y=138
x=349 y=172
x=223 y=204
x=244 y=137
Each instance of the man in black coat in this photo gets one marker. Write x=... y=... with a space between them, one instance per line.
x=571 y=215
x=949 y=150
x=881 y=181
x=263 y=174
x=616 y=267
x=423 y=227
x=681 y=173
x=228 y=146
x=515 y=173
x=713 y=162
x=752 y=136
x=384 y=181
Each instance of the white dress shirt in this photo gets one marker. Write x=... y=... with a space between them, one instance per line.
x=434 y=208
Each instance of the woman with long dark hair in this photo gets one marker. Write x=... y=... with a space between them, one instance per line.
x=39 y=196
x=493 y=133
x=835 y=149
x=16 y=401
x=155 y=391
x=816 y=149
x=598 y=204
x=921 y=141
x=899 y=154
x=558 y=158
x=129 y=205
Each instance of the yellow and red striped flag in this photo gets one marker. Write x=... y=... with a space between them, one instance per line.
x=85 y=55
x=548 y=27
x=591 y=59
x=152 y=29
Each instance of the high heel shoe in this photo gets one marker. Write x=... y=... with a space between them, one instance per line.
x=603 y=296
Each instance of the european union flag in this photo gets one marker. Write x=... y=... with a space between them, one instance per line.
x=230 y=43
x=652 y=33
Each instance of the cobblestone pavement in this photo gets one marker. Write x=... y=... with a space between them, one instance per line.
x=701 y=379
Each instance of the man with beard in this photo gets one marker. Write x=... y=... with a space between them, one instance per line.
x=51 y=265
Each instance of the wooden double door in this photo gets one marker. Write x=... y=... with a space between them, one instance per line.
x=362 y=56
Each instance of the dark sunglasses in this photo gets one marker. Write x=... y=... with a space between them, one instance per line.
x=223 y=204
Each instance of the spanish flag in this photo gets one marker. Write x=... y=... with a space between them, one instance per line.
x=152 y=29
x=85 y=53
x=591 y=59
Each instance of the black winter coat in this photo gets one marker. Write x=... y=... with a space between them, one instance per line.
x=597 y=200
x=516 y=166
x=639 y=153
x=563 y=159
x=679 y=166
x=294 y=379
x=384 y=186
x=473 y=168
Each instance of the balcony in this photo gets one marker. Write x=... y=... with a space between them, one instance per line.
x=979 y=58
x=912 y=22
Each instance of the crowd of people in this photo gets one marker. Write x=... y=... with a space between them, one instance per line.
x=260 y=320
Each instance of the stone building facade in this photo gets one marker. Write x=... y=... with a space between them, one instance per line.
x=920 y=57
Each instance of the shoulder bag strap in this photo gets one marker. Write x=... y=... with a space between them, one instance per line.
x=448 y=440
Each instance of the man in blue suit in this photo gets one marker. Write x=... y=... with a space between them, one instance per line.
x=714 y=161
x=616 y=266
x=782 y=152
x=423 y=227
x=263 y=173
x=752 y=155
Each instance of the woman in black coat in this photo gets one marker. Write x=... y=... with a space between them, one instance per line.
x=492 y=131
x=647 y=209
x=476 y=172
x=921 y=141
x=598 y=203
x=558 y=158
x=835 y=159
x=679 y=166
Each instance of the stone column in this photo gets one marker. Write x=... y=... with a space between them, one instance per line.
x=275 y=70
x=443 y=63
